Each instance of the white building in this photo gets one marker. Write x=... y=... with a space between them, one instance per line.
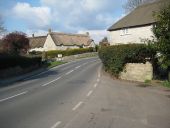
x=60 y=41
x=136 y=26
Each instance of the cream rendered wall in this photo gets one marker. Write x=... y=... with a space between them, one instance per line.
x=49 y=44
x=134 y=35
x=66 y=47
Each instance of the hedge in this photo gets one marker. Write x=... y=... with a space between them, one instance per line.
x=69 y=52
x=8 y=61
x=54 y=53
x=114 y=58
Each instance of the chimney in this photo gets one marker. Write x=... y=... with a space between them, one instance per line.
x=49 y=30
x=32 y=35
x=87 y=33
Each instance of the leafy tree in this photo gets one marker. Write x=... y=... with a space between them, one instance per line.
x=104 y=42
x=162 y=33
x=16 y=43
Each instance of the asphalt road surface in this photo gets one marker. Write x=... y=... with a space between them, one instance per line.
x=80 y=95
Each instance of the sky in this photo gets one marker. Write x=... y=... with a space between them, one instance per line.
x=69 y=16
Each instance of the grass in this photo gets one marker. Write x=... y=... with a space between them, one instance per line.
x=55 y=63
x=166 y=84
x=147 y=81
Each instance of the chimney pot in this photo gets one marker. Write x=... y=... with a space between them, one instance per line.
x=49 y=30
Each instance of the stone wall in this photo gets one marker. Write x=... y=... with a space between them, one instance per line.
x=137 y=72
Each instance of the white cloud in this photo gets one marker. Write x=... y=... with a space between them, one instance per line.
x=69 y=15
x=60 y=4
x=33 y=16
x=93 y=5
x=73 y=15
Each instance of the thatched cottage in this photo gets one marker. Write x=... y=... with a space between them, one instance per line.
x=136 y=26
x=60 y=41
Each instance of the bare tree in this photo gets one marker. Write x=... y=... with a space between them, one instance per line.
x=132 y=4
x=2 y=29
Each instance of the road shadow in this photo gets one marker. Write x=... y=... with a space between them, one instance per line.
x=43 y=73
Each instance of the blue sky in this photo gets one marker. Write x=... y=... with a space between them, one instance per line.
x=72 y=16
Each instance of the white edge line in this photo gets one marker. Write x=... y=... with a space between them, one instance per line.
x=51 y=82
x=90 y=92
x=99 y=75
x=56 y=124
x=22 y=93
x=95 y=85
x=77 y=106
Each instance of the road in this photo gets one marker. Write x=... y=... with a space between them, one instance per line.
x=80 y=95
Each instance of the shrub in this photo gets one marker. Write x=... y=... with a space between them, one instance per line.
x=162 y=33
x=16 y=43
x=114 y=58
x=8 y=61
x=54 y=53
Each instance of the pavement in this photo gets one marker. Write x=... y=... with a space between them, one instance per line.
x=81 y=95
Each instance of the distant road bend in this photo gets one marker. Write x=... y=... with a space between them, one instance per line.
x=79 y=95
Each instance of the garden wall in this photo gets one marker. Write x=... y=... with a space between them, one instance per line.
x=137 y=72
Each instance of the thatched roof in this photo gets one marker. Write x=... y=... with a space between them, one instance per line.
x=141 y=16
x=70 y=39
x=37 y=42
x=61 y=39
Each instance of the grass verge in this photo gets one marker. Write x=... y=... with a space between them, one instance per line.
x=55 y=63
x=166 y=84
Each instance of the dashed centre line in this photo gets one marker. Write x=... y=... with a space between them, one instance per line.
x=98 y=80
x=22 y=93
x=77 y=67
x=51 y=81
x=89 y=93
x=56 y=124
x=77 y=106
x=69 y=72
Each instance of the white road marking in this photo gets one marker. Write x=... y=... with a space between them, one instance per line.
x=77 y=67
x=77 y=106
x=85 y=63
x=98 y=80
x=69 y=72
x=22 y=93
x=95 y=85
x=51 y=81
x=90 y=92
x=56 y=124
x=99 y=75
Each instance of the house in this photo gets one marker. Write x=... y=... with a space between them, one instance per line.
x=60 y=41
x=137 y=26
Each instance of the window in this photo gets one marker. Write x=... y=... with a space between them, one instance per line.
x=125 y=31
